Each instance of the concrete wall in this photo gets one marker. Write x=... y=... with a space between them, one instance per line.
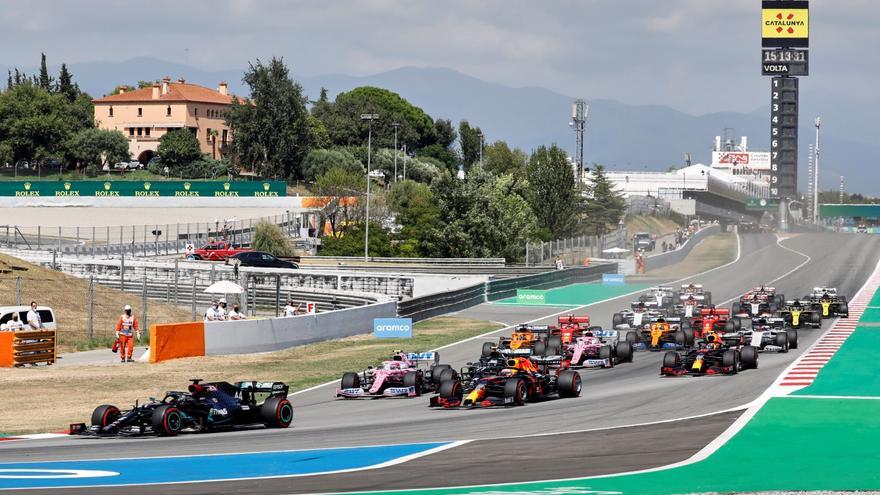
x=250 y=336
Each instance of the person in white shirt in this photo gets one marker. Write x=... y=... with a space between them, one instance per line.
x=290 y=309
x=235 y=314
x=14 y=324
x=33 y=318
x=213 y=313
x=222 y=310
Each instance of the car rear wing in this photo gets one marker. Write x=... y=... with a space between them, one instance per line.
x=574 y=319
x=423 y=357
x=274 y=388
x=715 y=311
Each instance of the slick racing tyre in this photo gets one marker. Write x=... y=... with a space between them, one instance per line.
x=617 y=319
x=277 y=412
x=487 y=348
x=779 y=299
x=104 y=415
x=605 y=353
x=447 y=375
x=728 y=360
x=516 y=389
x=632 y=338
x=624 y=352
x=569 y=384
x=413 y=379
x=782 y=341
x=708 y=296
x=792 y=339
x=749 y=357
x=539 y=349
x=554 y=341
x=166 y=421
x=437 y=372
x=451 y=389
x=671 y=359
x=816 y=318
x=735 y=308
x=685 y=337
x=350 y=380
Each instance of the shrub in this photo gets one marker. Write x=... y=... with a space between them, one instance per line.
x=269 y=238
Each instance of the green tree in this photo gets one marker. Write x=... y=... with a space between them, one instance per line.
x=343 y=121
x=553 y=193
x=319 y=161
x=351 y=243
x=66 y=86
x=499 y=159
x=179 y=148
x=99 y=147
x=269 y=238
x=44 y=80
x=36 y=124
x=469 y=141
x=604 y=205
x=442 y=150
x=481 y=216
x=273 y=133
x=416 y=210
x=340 y=185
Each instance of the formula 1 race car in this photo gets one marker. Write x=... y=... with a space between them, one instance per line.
x=696 y=291
x=716 y=320
x=771 y=335
x=523 y=341
x=663 y=333
x=763 y=293
x=799 y=314
x=754 y=306
x=597 y=348
x=521 y=380
x=709 y=357
x=689 y=307
x=205 y=407
x=570 y=327
x=828 y=302
x=404 y=375
x=637 y=317
x=658 y=297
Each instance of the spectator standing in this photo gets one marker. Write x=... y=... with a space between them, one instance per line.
x=559 y=264
x=235 y=314
x=213 y=313
x=126 y=327
x=290 y=309
x=33 y=318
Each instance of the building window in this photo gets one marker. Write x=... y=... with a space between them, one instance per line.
x=147 y=131
x=111 y=111
x=225 y=134
x=196 y=111
x=131 y=131
x=208 y=134
x=168 y=111
x=140 y=112
x=140 y=131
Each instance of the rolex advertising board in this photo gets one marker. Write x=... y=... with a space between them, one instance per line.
x=161 y=188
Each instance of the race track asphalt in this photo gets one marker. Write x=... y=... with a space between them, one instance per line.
x=629 y=394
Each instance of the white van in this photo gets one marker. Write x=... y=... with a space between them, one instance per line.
x=46 y=315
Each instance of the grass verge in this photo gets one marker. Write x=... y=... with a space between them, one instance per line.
x=653 y=225
x=68 y=297
x=77 y=390
x=713 y=251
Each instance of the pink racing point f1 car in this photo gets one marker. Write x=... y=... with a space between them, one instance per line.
x=406 y=374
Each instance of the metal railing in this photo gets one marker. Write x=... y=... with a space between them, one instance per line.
x=574 y=250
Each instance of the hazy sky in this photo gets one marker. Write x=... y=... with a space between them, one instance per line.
x=695 y=55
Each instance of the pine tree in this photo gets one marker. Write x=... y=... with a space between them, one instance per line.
x=9 y=80
x=44 y=81
x=65 y=84
x=604 y=205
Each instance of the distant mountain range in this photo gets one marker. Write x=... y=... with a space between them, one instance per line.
x=619 y=135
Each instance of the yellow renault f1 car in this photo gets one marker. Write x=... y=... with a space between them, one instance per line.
x=799 y=314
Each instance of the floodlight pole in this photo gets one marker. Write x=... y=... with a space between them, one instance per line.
x=369 y=117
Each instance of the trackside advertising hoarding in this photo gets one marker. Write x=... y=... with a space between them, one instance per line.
x=527 y=296
x=161 y=188
x=392 y=328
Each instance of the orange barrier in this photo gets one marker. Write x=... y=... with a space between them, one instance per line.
x=176 y=340
x=6 y=356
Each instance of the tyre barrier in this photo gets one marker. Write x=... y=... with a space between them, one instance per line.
x=27 y=347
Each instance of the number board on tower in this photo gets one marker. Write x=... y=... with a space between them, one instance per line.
x=783 y=137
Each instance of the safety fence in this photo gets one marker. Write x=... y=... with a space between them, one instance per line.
x=27 y=348
x=432 y=305
x=574 y=250
x=175 y=340
x=144 y=240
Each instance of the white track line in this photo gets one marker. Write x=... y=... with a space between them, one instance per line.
x=779 y=243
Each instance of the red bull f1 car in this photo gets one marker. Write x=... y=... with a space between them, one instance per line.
x=406 y=374
x=711 y=356
x=205 y=407
x=521 y=380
